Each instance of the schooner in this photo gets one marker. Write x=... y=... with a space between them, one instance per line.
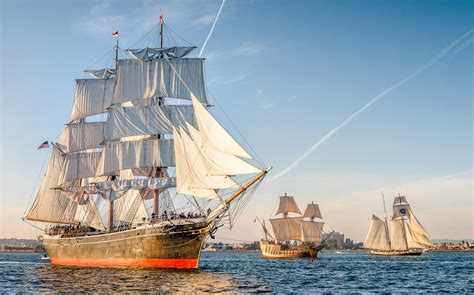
x=149 y=183
x=408 y=236
x=293 y=236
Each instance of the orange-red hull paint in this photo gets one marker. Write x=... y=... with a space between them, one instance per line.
x=139 y=262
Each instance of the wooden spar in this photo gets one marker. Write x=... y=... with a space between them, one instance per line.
x=245 y=187
x=386 y=223
x=111 y=216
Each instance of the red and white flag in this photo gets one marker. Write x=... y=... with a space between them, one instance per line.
x=115 y=34
x=44 y=145
x=161 y=17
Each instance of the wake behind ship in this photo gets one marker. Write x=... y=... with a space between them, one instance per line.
x=147 y=185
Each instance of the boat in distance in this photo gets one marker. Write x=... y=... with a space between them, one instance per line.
x=408 y=237
x=293 y=237
x=149 y=184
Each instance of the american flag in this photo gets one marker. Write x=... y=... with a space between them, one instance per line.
x=44 y=145
x=115 y=34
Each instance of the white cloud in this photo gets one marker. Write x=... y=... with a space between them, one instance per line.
x=247 y=49
x=267 y=105
x=220 y=80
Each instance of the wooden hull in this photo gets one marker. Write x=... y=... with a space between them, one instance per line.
x=157 y=246
x=410 y=252
x=270 y=250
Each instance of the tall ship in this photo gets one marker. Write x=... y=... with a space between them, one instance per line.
x=143 y=173
x=408 y=236
x=293 y=236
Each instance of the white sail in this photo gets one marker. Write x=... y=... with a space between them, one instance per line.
x=92 y=97
x=186 y=180
x=312 y=231
x=81 y=136
x=213 y=135
x=151 y=119
x=287 y=205
x=78 y=166
x=312 y=211
x=137 y=79
x=102 y=73
x=287 y=229
x=87 y=214
x=52 y=205
x=377 y=237
x=418 y=234
x=220 y=163
x=398 y=236
x=123 y=155
x=149 y=53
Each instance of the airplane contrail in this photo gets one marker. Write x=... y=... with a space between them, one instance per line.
x=212 y=28
x=379 y=96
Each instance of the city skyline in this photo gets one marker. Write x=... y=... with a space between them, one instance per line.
x=286 y=75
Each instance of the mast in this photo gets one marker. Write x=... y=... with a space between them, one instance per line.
x=404 y=228
x=160 y=170
x=111 y=202
x=386 y=223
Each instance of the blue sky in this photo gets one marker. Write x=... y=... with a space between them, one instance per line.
x=286 y=72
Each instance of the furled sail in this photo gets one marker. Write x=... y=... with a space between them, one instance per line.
x=287 y=205
x=81 y=136
x=312 y=211
x=78 y=166
x=178 y=78
x=123 y=155
x=92 y=97
x=287 y=229
x=213 y=135
x=417 y=232
x=312 y=231
x=151 y=119
x=377 y=237
x=149 y=53
x=52 y=205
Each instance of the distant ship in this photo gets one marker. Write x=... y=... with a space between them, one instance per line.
x=293 y=237
x=408 y=237
x=147 y=185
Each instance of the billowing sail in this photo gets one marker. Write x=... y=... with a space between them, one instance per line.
x=398 y=236
x=418 y=233
x=88 y=215
x=146 y=120
x=187 y=175
x=92 y=97
x=312 y=231
x=52 y=205
x=287 y=205
x=137 y=79
x=213 y=135
x=81 y=136
x=217 y=162
x=78 y=166
x=123 y=155
x=287 y=229
x=101 y=74
x=312 y=211
x=377 y=237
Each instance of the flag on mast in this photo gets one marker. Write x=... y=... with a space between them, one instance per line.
x=115 y=34
x=44 y=145
x=161 y=17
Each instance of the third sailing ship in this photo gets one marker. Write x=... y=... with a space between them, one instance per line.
x=294 y=236
x=147 y=185
x=408 y=236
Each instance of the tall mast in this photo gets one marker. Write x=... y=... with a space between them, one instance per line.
x=111 y=202
x=160 y=171
x=386 y=223
x=404 y=228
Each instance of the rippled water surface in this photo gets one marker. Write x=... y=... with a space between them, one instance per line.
x=248 y=272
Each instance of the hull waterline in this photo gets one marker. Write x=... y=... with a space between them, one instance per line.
x=149 y=246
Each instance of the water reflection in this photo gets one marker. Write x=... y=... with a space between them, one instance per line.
x=75 y=279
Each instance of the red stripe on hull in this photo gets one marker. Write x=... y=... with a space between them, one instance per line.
x=140 y=262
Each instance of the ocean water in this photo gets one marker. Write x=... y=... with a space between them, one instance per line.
x=248 y=272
